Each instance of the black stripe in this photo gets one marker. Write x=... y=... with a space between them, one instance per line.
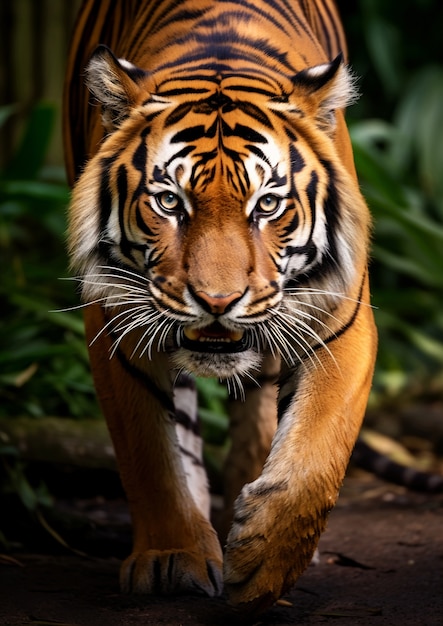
x=147 y=382
x=326 y=35
x=141 y=224
x=178 y=113
x=296 y=159
x=333 y=215
x=187 y=422
x=371 y=460
x=156 y=576
x=220 y=51
x=286 y=18
x=122 y=190
x=195 y=459
x=311 y=192
x=140 y=155
x=244 y=132
x=283 y=405
x=327 y=31
x=331 y=260
x=170 y=571
x=268 y=488
x=290 y=6
x=185 y=381
x=171 y=17
x=351 y=320
x=243 y=16
x=256 y=113
x=309 y=248
x=187 y=135
x=105 y=194
x=258 y=152
x=290 y=229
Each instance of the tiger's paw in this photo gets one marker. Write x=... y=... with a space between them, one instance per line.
x=167 y=572
x=268 y=547
x=253 y=580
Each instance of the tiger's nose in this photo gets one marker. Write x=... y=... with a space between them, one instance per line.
x=218 y=304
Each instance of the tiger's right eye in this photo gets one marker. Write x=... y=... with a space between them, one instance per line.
x=268 y=204
x=168 y=201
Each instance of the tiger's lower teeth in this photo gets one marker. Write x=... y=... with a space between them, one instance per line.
x=215 y=339
x=195 y=335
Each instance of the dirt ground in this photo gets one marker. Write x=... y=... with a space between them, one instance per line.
x=381 y=564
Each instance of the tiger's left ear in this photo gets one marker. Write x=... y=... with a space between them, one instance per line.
x=114 y=82
x=325 y=88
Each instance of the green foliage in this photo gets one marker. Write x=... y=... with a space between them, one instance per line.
x=397 y=134
x=212 y=399
x=31 y=497
x=43 y=358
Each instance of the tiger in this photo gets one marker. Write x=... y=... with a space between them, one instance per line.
x=217 y=229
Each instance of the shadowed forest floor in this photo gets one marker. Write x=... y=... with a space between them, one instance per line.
x=381 y=564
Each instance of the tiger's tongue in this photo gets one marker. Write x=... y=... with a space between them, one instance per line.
x=214 y=331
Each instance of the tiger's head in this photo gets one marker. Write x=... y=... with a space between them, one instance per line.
x=216 y=220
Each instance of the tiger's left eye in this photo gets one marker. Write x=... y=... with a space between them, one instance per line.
x=268 y=204
x=168 y=201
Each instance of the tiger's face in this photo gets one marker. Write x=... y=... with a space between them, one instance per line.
x=208 y=223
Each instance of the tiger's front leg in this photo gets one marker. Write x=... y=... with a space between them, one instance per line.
x=175 y=548
x=279 y=517
x=253 y=422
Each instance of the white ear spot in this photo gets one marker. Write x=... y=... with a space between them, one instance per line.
x=127 y=65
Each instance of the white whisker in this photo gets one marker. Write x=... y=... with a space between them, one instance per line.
x=139 y=322
x=77 y=307
x=294 y=305
x=295 y=319
x=268 y=340
x=294 y=332
x=130 y=323
x=252 y=378
x=295 y=335
x=161 y=345
x=235 y=387
x=139 y=343
x=127 y=313
x=283 y=343
x=300 y=291
x=121 y=286
x=148 y=347
x=123 y=270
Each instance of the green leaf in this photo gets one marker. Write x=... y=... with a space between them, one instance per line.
x=6 y=111
x=383 y=42
x=370 y=169
x=34 y=190
x=33 y=147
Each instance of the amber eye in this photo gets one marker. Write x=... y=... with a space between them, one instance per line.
x=268 y=204
x=168 y=201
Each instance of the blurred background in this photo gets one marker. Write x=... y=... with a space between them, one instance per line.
x=50 y=424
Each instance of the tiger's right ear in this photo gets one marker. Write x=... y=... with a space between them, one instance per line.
x=114 y=82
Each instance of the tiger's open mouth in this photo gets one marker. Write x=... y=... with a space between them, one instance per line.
x=214 y=338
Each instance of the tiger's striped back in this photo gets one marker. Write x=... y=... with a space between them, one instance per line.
x=160 y=34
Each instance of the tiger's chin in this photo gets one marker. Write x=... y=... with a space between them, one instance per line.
x=222 y=365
